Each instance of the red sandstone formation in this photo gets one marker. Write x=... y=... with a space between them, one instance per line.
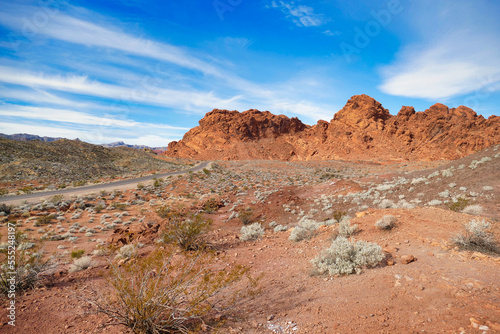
x=362 y=130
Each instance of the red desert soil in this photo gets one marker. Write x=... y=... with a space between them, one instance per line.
x=442 y=290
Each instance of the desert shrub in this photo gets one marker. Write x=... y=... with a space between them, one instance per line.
x=22 y=270
x=127 y=252
x=163 y=211
x=82 y=263
x=477 y=236
x=27 y=189
x=338 y=215
x=119 y=206
x=387 y=222
x=252 y=232
x=459 y=205
x=80 y=183
x=246 y=216
x=98 y=208
x=345 y=229
x=43 y=220
x=140 y=186
x=304 y=230
x=3 y=192
x=211 y=205
x=76 y=254
x=170 y=293
x=7 y=209
x=56 y=199
x=186 y=231
x=344 y=257
x=387 y=204
x=207 y=172
x=474 y=209
x=157 y=182
x=280 y=228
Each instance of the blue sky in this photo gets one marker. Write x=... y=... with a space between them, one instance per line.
x=146 y=71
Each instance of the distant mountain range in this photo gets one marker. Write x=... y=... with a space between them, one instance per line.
x=27 y=137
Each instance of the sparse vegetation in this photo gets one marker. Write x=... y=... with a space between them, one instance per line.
x=23 y=271
x=252 y=232
x=459 y=205
x=304 y=230
x=344 y=257
x=477 y=236
x=186 y=231
x=165 y=293
x=345 y=229
x=474 y=209
x=76 y=254
x=44 y=220
x=387 y=222
x=81 y=263
x=246 y=216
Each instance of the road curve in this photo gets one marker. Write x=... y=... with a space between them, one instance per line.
x=123 y=184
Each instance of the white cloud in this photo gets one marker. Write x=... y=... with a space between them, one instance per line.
x=150 y=94
x=75 y=117
x=451 y=59
x=302 y=16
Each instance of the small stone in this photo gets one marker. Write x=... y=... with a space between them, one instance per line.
x=405 y=259
x=270 y=318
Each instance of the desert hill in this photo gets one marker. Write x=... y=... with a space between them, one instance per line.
x=71 y=160
x=362 y=130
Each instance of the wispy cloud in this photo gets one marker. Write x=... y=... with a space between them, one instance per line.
x=302 y=16
x=450 y=61
x=105 y=98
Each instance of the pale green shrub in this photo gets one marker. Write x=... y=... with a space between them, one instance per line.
x=344 y=257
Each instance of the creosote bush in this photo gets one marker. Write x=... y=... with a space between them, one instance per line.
x=459 y=205
x=188 y=231
x=246 y=216
x=477 y=236
x=387 y=222
x=171 y=292
x=76 y=254
x=21 y=270
x=344 y=257
x=251 y=232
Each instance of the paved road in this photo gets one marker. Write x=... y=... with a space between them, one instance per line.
x=123 y=184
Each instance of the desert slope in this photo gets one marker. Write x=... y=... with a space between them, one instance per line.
x=362 y=130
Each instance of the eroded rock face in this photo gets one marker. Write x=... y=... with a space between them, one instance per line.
x=362 y=130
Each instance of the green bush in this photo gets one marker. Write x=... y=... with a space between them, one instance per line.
x=76 y=254
x=246 y=216
x=27 y=189
x=169 y=293
x=119 y=206
x=44 y=220
x=186 y=231
x=459 y=205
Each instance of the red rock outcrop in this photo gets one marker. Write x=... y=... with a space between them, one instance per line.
x=362 y=130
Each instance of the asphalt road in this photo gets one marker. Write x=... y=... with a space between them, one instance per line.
x=123 y=184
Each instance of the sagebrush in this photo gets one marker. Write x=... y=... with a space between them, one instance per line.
x=344 y=257
x=477 y=236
